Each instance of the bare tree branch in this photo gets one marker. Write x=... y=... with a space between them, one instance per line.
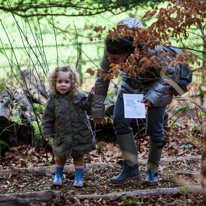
x=32 y=8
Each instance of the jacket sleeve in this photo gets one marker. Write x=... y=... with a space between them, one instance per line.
x=48 y=119
x=155 y=93
x=167 y=78
x=86 y=102
x=100 y=91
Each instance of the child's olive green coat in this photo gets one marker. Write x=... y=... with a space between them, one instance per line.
x=65 y=120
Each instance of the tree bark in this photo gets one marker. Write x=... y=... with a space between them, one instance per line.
x=5 y=100
x=147 y=192
x=7 y=128
x=20 y=199
x=4 y=114
x=22 y=100
x=34 y=87
x=203 y=170
x=45 y=170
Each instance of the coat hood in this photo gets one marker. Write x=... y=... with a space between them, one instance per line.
x=131 y=22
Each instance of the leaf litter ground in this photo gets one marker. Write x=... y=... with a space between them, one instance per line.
x=172 y=174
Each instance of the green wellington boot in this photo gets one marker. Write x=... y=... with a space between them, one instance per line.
x=128 y=173
x=155 y=152
x=130 y=170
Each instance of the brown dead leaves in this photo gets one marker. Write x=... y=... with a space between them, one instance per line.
x=90 y=71
x=172 y=21
x=99 y=28
x=23 y=156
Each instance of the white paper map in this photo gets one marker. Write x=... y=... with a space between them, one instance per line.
x=132 y=107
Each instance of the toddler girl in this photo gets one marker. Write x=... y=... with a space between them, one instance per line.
x=65 y=121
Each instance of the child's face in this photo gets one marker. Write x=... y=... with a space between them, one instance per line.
x=63 y=82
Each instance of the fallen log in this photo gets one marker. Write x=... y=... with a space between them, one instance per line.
x=181 y=158
x=4 y=114
x=22 y=101
x=34 y=87
x=189 y=173
x=7 y=128
x=45 y=170
x=130 y=194
x=6 y=97
x=24 y=199
x=4 y=109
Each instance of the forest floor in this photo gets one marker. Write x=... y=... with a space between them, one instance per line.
x=179 y=169
x=179 y=173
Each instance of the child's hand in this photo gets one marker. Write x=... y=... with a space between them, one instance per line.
x=48 y=139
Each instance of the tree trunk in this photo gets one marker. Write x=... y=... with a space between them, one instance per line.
x=203 y=170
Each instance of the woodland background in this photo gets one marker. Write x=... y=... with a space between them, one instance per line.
x=36 y=36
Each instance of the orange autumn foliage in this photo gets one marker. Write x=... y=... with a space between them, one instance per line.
x=172 y=21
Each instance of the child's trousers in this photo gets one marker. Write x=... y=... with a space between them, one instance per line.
x=78 y=160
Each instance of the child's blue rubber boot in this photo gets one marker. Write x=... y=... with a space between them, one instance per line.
x=78 y=176
x=58 y=175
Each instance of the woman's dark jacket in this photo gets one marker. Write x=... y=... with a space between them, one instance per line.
x=152 y=84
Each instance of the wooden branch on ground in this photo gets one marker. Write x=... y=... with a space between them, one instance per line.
x=24 y=199
x=189 y=173
x=130 y=194
x=181 y=158
x=45 y=170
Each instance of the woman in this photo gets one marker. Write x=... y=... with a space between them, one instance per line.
x=157 y=95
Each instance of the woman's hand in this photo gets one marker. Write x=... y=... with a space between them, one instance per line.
x=146 y=102
x=100 y=120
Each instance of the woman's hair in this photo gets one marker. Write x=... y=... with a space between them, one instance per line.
x=119 y=45
x=54 y=75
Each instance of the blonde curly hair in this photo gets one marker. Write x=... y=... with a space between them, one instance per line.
x=54 y=75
